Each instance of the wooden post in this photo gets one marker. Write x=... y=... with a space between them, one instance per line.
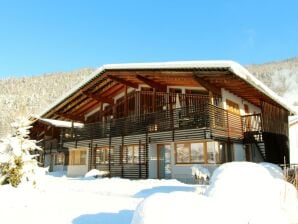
x=125 y=103
x=147 y=154
x=110 y=143
x=211 y=98
x=140 y=159
x=212 y=111
x=121 y=156
x=154 y=100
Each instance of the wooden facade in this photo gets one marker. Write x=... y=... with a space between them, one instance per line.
x=126 y=111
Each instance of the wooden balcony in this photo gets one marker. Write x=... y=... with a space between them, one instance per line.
x=142 y=112
x=219 y=122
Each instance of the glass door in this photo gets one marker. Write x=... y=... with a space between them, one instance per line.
x=164 y=161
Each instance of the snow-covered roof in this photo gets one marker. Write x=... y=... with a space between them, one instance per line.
x=234 y=67
x=61 y=124
x=293 y=120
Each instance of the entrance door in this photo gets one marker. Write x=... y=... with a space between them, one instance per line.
x=164 y=161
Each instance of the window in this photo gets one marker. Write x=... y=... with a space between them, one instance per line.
x=149 y=89
x=182 y=152
x=201 y=152
x=232 y=107
x=102 y=155
x=197 y=91
x=175 y=90
x=131 y=154
x=78 y=157
x=222 y=147
x=190 y=152
x=246 y=109
x=197 y=152
x=59 y=159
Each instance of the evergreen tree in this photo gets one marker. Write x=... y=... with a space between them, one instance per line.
x=17 y=163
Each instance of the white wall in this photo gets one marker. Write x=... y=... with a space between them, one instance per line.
x=230 y=96
x=58 y=168
x=293 y=135
x=183 y=88
x=77 y=170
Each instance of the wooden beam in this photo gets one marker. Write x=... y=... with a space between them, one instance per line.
x=123 y=81
x=125 y=102
x=207 y=85
x=85 y=108
x=71 y=117
x=99 y=98
x=152 y=83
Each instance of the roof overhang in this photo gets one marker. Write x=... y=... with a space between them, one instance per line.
x=207 y=70
x=59 y=123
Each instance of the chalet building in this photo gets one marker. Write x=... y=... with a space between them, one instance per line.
x=154 y=120
x=293 y=134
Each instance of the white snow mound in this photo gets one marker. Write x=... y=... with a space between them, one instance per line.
x=176 y=207
x=96 y=173
x=239 y=193
x=274 y=170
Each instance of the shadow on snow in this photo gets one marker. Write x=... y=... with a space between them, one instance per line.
x=162 y=189
x=123 y=217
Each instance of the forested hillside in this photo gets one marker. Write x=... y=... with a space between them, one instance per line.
x=27 y=95
x=281 y=76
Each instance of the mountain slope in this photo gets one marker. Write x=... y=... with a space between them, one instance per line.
x=27 y=95
x=281 y=77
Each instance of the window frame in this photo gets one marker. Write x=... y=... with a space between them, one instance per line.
x=135 y=159
x=59 y=159
x=105 y=150
x=76 y=155
x=218 y=156
x=232 y=107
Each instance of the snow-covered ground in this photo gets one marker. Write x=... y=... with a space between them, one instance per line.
x=238 y=193
x=58 y=199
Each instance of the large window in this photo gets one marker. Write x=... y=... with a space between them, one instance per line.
x=59 y=159
x=200 y=152
x=102 y=155
x=133 y=154
x=78 y=157
x=232 y=107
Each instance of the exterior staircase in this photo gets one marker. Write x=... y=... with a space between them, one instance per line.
x=256 y=138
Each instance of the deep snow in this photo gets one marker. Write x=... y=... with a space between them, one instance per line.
x=59 y=199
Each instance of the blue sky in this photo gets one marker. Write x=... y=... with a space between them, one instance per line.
x=59 y=35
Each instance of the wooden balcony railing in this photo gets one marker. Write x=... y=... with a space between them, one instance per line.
x=146 y=102
x=252 y=123
x=219 y=121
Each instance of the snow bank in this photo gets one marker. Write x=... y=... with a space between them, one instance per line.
x=239 y=192
x=96 y=173
x=250 y=191
x=176 y=207
x=274 y=170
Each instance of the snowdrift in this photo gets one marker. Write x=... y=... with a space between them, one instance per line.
x=239 y=192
